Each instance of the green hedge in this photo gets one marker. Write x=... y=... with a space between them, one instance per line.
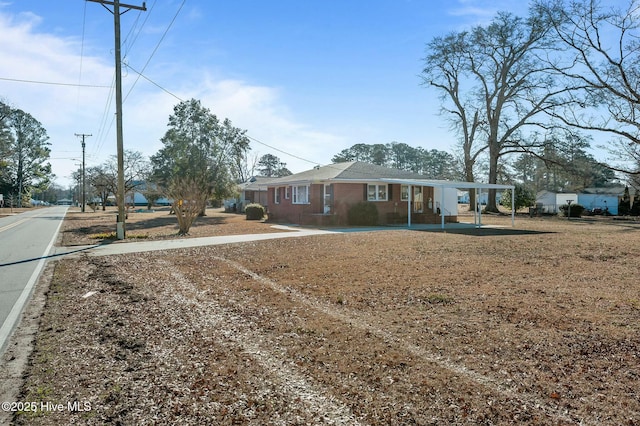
x=254 y=211
x=363 y=214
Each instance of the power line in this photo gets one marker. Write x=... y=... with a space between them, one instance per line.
x=52 y=83
x=152 y=82
x=250 y=137
x=156 y=49
x=135 y=37
x=84 y=20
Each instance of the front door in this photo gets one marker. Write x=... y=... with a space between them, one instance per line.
x=328 y=198
x=418 y=202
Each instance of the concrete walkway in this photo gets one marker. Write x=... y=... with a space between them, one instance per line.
x=125 y=247
x=157 y=245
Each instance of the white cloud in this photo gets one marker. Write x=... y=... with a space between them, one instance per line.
x=66 y=110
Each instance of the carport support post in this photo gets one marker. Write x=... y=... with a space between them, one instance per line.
x=479 y=207
x=513 y=206
x=442 y=209
x=474 y=207
x=410 y=189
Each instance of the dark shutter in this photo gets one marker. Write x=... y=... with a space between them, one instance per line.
x=366 y=193
x=390 y=192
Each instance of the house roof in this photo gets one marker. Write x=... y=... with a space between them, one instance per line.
x=358 y=171
x=256 y=183
x=613 y=190
x=353 y=170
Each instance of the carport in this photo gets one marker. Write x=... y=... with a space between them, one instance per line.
x=478 y=188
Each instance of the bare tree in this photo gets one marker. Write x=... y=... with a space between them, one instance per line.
x=604 y=46
x=102 y=182
x=445 y=69
x=494 y=85
x=136 y=168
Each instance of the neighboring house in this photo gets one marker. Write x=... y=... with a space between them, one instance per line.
x=546 y=202
x=137 y=199
x=324 y=195
x=550 y=202
x=605 y=199
x=255 y=191
x=598 y=200
x=252 y=191
x=135 y=196
x=601 y=199
x=464 y=197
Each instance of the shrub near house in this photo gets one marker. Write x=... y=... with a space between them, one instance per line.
x=573 y=210
x=254 y=211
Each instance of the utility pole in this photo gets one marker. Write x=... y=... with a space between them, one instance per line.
x=120 y=225
x=82 y=135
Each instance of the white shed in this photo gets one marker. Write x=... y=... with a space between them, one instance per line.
x=546 y=202
x=563 y=198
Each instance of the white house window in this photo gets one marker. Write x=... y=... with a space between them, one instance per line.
x=377 y=192
x=404 y=193
x=286 y=192
x=300 y=194
x=276 y=197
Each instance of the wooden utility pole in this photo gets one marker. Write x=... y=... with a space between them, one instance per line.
x=82 y=135
x=120 y=225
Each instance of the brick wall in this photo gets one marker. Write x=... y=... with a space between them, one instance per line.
x=345 y=195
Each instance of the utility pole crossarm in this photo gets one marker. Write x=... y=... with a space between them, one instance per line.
x=128 y=6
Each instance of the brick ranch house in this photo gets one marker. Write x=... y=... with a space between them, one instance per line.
x=323 y=195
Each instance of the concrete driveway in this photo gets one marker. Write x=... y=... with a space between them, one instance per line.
x=159 y=245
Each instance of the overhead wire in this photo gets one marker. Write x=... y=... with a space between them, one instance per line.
x=84 y=20
x=140 y=74
x=155 y=49
x=146 y=18
x=248 y=136
x=53 y=83
x=105 y=124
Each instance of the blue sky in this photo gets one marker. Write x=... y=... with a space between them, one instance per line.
x=308 y=78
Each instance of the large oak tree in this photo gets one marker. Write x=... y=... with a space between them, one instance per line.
x=493 y=86
x=602 y=49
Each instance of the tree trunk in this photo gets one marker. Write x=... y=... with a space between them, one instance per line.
x=470 y=178
x=494 y=154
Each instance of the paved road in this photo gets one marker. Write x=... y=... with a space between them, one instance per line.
x=25 y=241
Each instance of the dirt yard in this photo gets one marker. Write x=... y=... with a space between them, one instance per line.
x=537 y=324
x=141 y=224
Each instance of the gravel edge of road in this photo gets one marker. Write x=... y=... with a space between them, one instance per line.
x=15 y=357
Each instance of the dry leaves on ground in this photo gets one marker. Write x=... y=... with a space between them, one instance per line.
x=536 y=324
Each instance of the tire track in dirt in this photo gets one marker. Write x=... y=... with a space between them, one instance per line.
x=240 y=333
x=361 y=321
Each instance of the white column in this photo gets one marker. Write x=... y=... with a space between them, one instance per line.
x=513 y=206
x=410 y=189
x=479 y=204
x=442 y=209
